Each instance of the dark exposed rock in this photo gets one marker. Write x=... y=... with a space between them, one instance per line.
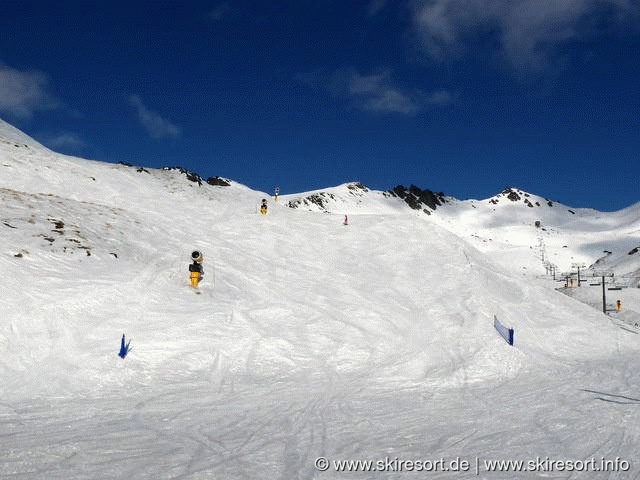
x=191 y=176
x=511 y=194
x=317 y=199
x=358 y=186
x=138 y=169
x=572 y=212
x=417 y=198
x=634 y=251
x=58 y=226
x=217 y=181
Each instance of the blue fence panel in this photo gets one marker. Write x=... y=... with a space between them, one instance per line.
x=506 y=333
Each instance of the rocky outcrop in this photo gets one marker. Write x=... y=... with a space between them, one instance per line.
x=218 y=181
x=419 y=199
x=318 y=199
x=515 y=195
x=191 y=176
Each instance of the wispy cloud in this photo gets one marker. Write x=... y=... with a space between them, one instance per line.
x=221 y=12
x=156 y=126
x=375 y=6
x=68 y=141
x=375 y=92
x=24 y=92
x=439 y=98
x=528 y=33
x=378 y=93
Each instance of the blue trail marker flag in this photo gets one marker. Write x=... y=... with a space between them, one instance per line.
x=124 y=348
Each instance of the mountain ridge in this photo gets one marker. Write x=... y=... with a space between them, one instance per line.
x=512 y=219
x=12 y=136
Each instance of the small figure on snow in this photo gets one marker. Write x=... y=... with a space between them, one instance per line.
x=263 y=207
x=277 y=193
x=346 y=221
x=197 y=272
x=618 y=305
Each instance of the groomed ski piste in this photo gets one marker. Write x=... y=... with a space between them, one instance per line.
x=312 y=343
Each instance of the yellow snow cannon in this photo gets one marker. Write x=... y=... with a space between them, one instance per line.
x=195 y=268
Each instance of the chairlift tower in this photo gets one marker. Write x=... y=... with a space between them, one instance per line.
x=554 y=269
x=604 y=275
x=578 y=266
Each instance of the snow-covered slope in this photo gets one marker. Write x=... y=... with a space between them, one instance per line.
x=309 y=338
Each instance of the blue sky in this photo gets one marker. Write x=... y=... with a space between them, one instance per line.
x=460 y=96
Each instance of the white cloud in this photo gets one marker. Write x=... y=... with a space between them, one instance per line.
x=156 y=126
x=376 y=92
x=526 y=32
x=23 y=93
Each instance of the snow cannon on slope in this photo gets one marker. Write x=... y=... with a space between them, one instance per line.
x=196 y=268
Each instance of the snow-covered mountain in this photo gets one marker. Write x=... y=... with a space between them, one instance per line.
x=310 y=339
x=358 y=198
x=509 y=225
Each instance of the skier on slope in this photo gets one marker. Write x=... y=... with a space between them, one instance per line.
x=346 y=221
x=197 y=272
x=263 y=207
